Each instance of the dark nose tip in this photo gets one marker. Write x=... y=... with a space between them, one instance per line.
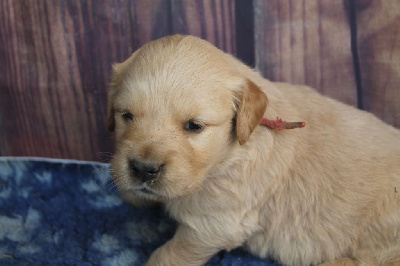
x=144 y=171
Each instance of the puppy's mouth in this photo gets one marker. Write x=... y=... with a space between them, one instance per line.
x=162 y=185
x=146 y=190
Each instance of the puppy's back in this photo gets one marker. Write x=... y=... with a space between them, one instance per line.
x=356 y=157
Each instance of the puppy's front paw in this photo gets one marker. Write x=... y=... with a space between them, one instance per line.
x=159 y=259
x=341 y=262
x=168 y=255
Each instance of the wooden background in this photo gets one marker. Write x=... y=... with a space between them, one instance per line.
x=56 y=58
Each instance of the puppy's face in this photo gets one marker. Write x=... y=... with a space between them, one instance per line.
x=175 y=106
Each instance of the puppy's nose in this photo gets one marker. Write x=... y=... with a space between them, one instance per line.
x=144 y=171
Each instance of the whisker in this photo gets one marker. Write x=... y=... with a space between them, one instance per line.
x=106 y=156
x=101 y=175
x=194 y=183
x=113 y=185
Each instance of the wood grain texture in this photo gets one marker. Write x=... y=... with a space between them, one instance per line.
x=378 y=24
x=213 y=20
x=56 y=59
x=306 y=42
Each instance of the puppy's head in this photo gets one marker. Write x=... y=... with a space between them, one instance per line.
x=178 y=106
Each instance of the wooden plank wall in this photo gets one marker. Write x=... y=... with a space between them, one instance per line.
x=56 y=61
x=306 y=42
x=56 y=58
x=378 y=47
x=348 y=50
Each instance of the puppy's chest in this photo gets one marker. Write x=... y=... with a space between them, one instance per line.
x=214 y=216
x=200 y=209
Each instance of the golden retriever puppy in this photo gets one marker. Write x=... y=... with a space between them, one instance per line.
x=187 y=122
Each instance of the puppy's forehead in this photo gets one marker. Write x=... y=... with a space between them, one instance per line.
x=172 y=62
x=177 y=74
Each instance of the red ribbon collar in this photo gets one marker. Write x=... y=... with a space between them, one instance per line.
x=280 y=124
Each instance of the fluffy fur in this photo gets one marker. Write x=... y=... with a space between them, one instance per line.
x=326 y=193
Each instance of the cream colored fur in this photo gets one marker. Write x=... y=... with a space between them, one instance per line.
x=327 y=193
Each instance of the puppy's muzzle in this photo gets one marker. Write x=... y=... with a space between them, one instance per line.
x=145 y=172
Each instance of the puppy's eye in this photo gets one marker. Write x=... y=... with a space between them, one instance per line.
x=193 y=126
x=127 y=116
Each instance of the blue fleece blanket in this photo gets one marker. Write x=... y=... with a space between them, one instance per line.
x=56 y=212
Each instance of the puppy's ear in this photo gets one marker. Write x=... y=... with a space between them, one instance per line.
x=111 y=95
x=110 y=115
x=251 y=108
x=117 y=75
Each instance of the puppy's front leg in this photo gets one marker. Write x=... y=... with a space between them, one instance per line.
x=341 y=262
x=185 y=248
